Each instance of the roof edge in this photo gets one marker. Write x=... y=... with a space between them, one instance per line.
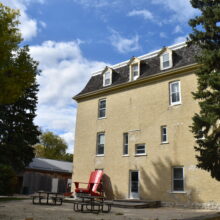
x=159 y=75
x=143 y=57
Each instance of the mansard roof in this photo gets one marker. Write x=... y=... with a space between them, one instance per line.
x=182 y=56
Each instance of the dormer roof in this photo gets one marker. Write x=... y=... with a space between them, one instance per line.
x=150 y=66
x=106 y=69
x=133 y=60
x=164 y=49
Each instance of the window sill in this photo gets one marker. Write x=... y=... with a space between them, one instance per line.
x=165 y=68
x=100 y=155
x=178 y=192
x=107 y=85
x=175 y=104
x=125 y=155
x=101 y=118
x=162 y=143
x=139 y=155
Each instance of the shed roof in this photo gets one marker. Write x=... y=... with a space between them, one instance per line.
x=51 y=165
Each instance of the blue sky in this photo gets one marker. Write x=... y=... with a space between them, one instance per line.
x=71 y=39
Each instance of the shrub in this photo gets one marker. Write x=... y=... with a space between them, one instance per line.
x=8 y=180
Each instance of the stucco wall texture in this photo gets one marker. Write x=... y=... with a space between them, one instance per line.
x=141 y=111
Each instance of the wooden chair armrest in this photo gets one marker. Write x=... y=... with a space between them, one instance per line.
x=81 y=182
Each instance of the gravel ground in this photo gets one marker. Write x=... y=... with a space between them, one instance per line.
x=25 y=210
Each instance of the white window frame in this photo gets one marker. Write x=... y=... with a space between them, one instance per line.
x=125 y=144
x=132 y=71
x=139 y=154
x=101 y=109
x=110 y=78
x=98 y=144
x=164 y=135
x=169 y=52
x=173 y=179
x=170 y=93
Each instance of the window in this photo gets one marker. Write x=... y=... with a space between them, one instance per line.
x=125 y=144
x=164 y=138
x=140 y=149
x=102 y=108
x=166 y=60
x=175 y=96
x=107 y=78
x=178 y=179
x=100 y=144
x=134 y=71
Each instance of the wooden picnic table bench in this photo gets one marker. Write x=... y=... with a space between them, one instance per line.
x=48 y=198
x=94 y=204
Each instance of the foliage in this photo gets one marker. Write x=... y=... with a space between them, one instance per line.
x=18 y=95
x=8 y=180
x=14 y=75
x=52 y=147
x=206 y=124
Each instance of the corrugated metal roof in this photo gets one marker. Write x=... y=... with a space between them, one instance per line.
x=51 y=165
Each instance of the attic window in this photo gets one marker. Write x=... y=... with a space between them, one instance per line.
x=107 y=77
x=134 y=71
x=166 y=61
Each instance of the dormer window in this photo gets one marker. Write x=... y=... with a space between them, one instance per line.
x=107 y=76
x=135 y=71
x=134 y=65
x=166 y=60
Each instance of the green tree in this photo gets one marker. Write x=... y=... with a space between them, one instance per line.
x=8 y=180
x=206 y=124
x=17 y=129
x=52 y=147
x=18 y=98
x=14 y=75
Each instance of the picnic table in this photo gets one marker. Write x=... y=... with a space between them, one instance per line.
x=93 y=204
x=48 y=198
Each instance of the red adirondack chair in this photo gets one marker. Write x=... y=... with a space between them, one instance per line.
x=93 y=185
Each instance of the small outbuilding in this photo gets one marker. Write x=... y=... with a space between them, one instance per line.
x=48 y=175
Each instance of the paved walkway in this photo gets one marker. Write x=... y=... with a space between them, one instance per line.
x=25 y=210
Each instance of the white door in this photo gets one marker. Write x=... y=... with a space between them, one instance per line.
x=54 y=185
x=134 y=184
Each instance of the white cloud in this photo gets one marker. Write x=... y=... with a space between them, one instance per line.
x=182 y=9
x=163 y=35
x=69 y=138
x=27 y=26
x=147 y=15
x=124 y=45
x=177 y=30
x=180 y=39
x=94 y=3
x=43 y=24
x=65 y=71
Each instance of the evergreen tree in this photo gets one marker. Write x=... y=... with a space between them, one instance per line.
x=206 y=124
x=17 y=129
x=18 y=96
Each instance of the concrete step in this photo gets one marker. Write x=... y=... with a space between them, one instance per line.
x=135 y=204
